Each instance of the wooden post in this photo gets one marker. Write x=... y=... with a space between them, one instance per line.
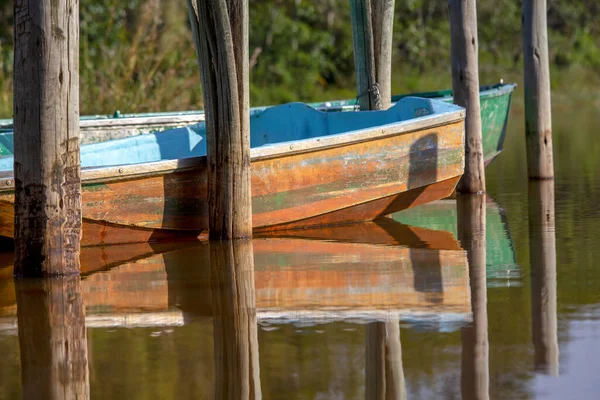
x=475 y=345
x=372 y=31
x=237 y=373
x=220 y=31
x=538 y=114
x=46 y=123
x=383 y=34
x=384 y=373
x=465 y=86
x=52 y=338
x=542 y=256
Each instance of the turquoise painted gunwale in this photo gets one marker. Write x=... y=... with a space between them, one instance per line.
x=495 y=106
x=276 y=131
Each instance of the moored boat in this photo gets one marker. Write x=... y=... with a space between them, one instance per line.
x=309 y=168
x=495 y=107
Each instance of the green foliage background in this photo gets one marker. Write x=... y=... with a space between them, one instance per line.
x=138 y=55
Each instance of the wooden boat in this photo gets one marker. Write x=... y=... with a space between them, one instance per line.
x=309 y=168
x=368 y=271
x=501 y=261
x=495 y=107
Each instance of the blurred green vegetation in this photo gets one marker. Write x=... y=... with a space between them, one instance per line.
x=138 y=55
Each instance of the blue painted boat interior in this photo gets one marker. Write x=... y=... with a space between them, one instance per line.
x=274 y=125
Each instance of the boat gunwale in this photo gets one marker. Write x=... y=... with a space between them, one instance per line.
x=180 y=118
x=448 y=114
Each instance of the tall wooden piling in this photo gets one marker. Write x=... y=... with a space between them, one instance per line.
x=237 y=371
x=538 y=114
x=471 y=218
x=220 y=31
x=46 y=124
x=542 y=256
x=372 y=32
x=52 y=338
x=382 y=21
x=465 y=86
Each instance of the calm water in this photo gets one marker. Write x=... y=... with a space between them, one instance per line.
x=520 y=320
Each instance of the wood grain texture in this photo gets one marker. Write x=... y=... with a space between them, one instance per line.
x=465 y=85
x=475 y=377
x=364 y=54
x=383 y=34
x=46 y=123
x=351 y=183
x=52 y=338
x=220 y=30
x=542 y=256
x=538 y=107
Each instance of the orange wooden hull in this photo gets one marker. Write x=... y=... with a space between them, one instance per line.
x=350 y=183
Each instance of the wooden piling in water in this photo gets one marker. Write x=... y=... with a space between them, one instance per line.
x=237 y=370
x=384 y=372
x=542 y=256
x=475 y=376
x=538 y=114
x=220 y=31
x=52 y=338
x=465 y=87
x=46 y=123
x=372 y=31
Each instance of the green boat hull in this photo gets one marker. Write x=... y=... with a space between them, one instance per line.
x=495 y=106
x=501 y=265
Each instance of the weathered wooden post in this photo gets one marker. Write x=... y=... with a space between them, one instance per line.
x=52 y=338
x=475 y=345
x=372 y=29
x=538 y=113
x=237 y=371
x=542 y=256
x=465 y=86
x=46 y=123
x=384 y=371
x=220 y=30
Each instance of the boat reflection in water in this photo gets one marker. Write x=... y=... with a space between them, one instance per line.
x=186 y=296
x=502 y=269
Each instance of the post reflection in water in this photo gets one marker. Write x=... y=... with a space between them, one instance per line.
x=475 y=344
x=52 y=338
x=237 y=374
x=384 y=374
x=542 y=255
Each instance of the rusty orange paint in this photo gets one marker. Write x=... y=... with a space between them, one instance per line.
x=355 y=182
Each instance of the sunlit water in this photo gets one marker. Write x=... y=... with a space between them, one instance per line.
x=326 y=303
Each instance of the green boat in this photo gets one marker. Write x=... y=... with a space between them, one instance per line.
x=495 y=106
x=501 y=265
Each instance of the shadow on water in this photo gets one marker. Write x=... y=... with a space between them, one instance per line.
x=475 y=379
x=52 y=338
x=542 y=255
